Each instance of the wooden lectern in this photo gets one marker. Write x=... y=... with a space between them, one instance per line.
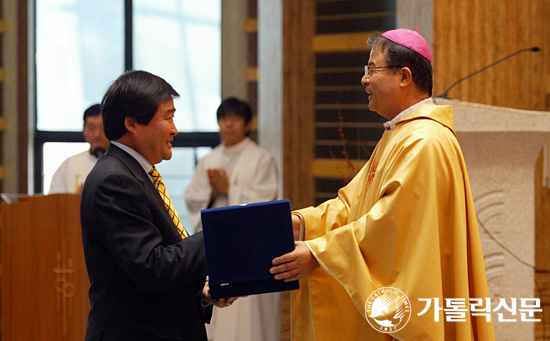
x=44 y=283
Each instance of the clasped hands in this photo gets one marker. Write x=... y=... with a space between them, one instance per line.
x=218 y=181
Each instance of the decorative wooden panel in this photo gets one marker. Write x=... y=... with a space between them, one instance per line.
x=346 y=132
x=44 y=279
x=354 y=15
x=251 y=30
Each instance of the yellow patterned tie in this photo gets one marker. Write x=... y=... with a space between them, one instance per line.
x=167 y=202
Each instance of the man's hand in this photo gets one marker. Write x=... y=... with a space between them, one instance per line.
x=294 y=265
x=221 y=303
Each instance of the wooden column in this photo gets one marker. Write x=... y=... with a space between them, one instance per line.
x=286 y=100
x=299 y=101
x=23 y=96
x=13 y=107
x=542 y=244
x=2 y=77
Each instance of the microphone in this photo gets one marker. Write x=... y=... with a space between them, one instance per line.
x=444 y=93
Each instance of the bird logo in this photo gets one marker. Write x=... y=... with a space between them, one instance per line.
x=388 y=310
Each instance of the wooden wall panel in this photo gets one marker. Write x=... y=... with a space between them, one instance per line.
x=346 y=131
x=469 y=35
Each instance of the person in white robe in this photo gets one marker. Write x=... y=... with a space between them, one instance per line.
x=70 y=176
x=237 y=172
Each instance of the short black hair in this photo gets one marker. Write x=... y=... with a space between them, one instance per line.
x=94 y=110
x=135 y=94
x=421 y=68
x=235 y=106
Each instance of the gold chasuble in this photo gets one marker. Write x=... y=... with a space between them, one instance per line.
x=406 y=221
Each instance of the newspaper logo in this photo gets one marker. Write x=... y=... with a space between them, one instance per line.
x=388 y=310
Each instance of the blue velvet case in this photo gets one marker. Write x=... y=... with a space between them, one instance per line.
x=241 y=241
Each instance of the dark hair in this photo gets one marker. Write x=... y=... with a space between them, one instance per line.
x=94 y=110
x=421 y=68
x=135 y=94
x=235 y=106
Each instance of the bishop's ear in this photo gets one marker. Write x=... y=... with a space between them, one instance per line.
x=406 y=76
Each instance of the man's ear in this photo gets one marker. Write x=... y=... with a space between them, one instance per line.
x=130 y=123
x=406 y=76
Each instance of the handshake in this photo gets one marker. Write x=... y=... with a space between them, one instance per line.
x=207 y=300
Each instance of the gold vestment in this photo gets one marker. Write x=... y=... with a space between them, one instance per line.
x=406 y=221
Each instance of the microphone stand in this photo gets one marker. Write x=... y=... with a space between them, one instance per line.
x=444 y=93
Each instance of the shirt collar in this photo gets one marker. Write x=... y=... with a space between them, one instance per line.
x=237 y=148
x=391 y=124
x=145 y=164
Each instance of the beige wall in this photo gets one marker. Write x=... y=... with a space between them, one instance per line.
x=234 y=48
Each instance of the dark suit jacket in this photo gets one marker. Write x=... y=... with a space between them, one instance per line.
x=145 y=280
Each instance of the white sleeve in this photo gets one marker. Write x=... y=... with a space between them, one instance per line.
x=59 y=180
x=263 y=185
x=197 y=195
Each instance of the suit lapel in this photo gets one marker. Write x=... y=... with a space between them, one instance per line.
x=137 y=170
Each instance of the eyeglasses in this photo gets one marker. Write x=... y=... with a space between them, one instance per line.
x=369 y=70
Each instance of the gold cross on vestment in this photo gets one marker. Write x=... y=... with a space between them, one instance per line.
x=167 y=202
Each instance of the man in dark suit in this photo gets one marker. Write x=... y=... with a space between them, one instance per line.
x=147 y=277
